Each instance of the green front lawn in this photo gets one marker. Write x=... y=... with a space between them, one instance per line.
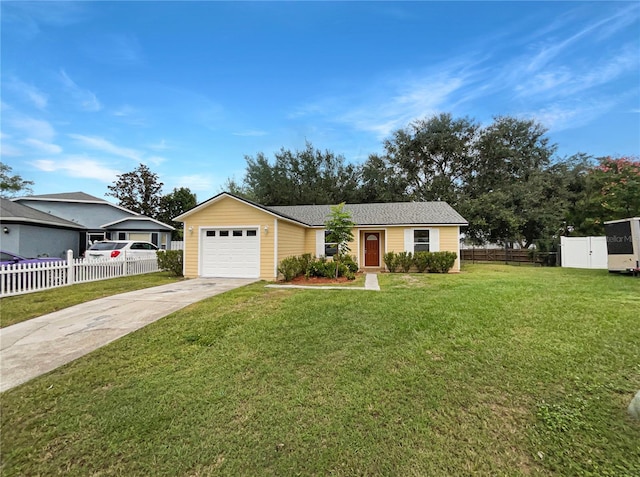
x=14 y=309
x=495 y=371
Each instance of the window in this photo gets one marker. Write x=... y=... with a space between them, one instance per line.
x=224 y=233
x=420 y=241
x=211 y=233
x=237 y=233
x=330 y=248
x=252 y=233
x=122 y=236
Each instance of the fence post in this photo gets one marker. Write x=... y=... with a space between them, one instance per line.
x=70 y=277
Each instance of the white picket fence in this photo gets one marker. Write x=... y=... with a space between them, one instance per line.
x=32 y=277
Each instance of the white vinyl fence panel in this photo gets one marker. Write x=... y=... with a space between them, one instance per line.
x=32 y=277
x=584 y=252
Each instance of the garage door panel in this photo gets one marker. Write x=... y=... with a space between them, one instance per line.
x=233 y=255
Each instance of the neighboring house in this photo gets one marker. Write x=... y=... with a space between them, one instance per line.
x=228 y=236
x=99 y=219
x=31 y=233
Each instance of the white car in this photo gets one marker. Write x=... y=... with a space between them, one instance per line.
x=120 y=249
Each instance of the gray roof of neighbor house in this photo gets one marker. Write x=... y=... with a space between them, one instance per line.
x=392 y=213
x=66 y=197
x=13 y=212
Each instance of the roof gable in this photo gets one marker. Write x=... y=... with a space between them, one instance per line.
x=72 y=197
x=14 y=212
x=141 y=218
x=248 y=202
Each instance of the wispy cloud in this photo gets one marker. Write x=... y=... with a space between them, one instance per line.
x=250 y=133
x=130 y=115
x=29 y=92
x=159 y=146
x=571 y=114
x=115 y=49
x=101 y=144
x=197 y=183
x=41 y=146
x=85 y=99
x=38 y=129
x=79 y=166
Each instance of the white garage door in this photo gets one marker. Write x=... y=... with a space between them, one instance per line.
x=230 y=253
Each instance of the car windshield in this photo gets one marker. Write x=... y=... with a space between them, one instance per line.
x=107 y=246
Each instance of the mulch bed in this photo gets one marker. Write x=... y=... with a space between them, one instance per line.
x=302 y=280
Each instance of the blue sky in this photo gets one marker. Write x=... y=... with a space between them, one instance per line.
x=92 y=89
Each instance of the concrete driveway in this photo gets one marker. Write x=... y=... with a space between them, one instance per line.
x=40 y=345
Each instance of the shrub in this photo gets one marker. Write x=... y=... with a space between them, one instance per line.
x=350 y=262
x=422 y=261
x=317 y=267
x=290 y=268
x=442 y=262
x=321 y=267
x=405 y=261
x=170 y=261
x=391 y=260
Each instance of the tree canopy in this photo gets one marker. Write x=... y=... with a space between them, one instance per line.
x=173 y=204
x=307 y=176
x=138 y=190
x=12 y=185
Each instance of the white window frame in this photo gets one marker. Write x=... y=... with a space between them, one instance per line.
x=409 y=239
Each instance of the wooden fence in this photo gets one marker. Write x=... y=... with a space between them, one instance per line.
x=32 y=277
x=504 y=255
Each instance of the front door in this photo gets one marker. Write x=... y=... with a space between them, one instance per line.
x=371 y=249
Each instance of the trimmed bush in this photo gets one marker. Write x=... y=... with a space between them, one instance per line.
x=170 y=261
x=442 y=262
x=290 y=268
x=422 y=260
x=405 y=261
x=350 y=262
x=391 y=261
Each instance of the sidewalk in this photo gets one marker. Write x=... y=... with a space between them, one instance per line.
x=37 y=346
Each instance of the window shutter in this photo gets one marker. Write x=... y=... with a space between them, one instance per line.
x=408 y=240
x=319 y=243
x=434 y=240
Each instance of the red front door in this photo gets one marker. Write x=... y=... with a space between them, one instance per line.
x=371 y=249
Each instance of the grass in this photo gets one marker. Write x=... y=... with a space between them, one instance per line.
x=495 y=371
x=14 y=309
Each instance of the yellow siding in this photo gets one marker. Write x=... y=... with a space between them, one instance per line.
x=450 y=241
x=395 y=239
x=291 y=240
x=310 y=241
x=230 y=212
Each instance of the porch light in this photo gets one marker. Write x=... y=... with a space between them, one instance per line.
x=266 y=229
x=5 y=230
x=191 y=229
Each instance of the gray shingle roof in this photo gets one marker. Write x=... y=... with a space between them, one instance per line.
x=393 y=213
x=66 y=196
x=18 y=213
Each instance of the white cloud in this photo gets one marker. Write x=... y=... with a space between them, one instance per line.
x=29 y=92
x=571 y=114
x=9 y=150
x=86 y=99
x=159 y=146
x=78 y=166
x=41 y=146
x=101 y=144
x=196 y=183
x=35 y=128
x=250 y=133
